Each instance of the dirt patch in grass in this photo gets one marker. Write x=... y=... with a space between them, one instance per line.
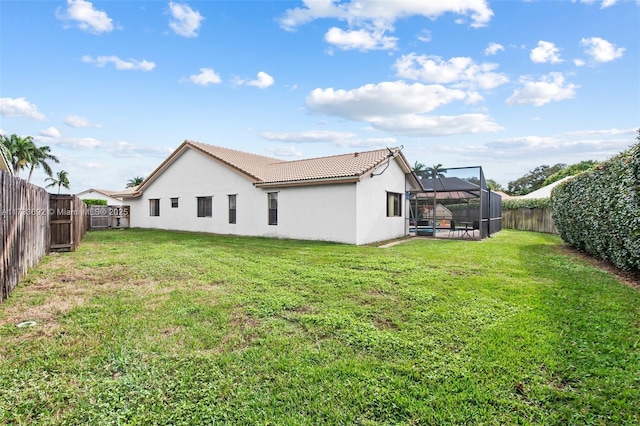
x=386 y=324
x=242 y=331
x=630 y=278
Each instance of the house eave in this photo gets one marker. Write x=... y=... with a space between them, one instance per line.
x=308 y=182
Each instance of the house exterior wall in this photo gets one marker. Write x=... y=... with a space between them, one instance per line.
x=346 y=212
x=94 y=195
x=319 y=212
x=371 y=217
x=193 y=175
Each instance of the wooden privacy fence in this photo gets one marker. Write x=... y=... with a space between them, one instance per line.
x=109 y=217
x=526 y=219
x=24 y=230
x=32 y=224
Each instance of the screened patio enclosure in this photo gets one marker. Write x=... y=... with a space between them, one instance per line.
x=455 y=204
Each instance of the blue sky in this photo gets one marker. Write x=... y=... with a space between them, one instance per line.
x=114 y=86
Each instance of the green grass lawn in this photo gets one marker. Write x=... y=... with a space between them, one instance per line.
x=155 y=327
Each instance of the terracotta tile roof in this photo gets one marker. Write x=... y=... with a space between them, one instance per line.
x=251 y=164
x=125 y=192
x=272 y=170
x=337 y=166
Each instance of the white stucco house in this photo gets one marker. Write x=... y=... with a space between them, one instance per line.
x=101 y=194
x=356 y=198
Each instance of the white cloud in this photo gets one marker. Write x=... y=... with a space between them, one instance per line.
x=360 y=39
x=603 y=5
x=18 y=107
x=399 y=108
x=579 y=62
x=50 y=132
x=262 y=81
x=603 y=132
x=341 y=139
x=368 y=143
x=78 y=143
x=92 y=165
x=185 y=21
x=118 y=149
x=546 y=52
x=284 y=151
x=310 y=136
x=120 y=64
x=77 y=121
x=460 y=71
x=207 y=76
x=493 y=49
x=549 y=88
x=86 y=16
x=358 y=12
x=578 y=145
x=422 y=125
x=424 y=36
x=601 y=50
x=383 y=99
x=129 y=150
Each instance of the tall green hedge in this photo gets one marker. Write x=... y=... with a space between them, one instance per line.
x=95 y=202
x=599 y=211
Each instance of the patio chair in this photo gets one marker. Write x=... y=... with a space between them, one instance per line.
x=475 y=225
x=452 y=228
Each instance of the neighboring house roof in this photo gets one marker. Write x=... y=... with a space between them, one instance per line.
x=271 y=172
x=127 y=192
x=504 y=195
x=545 y=191
x=112 y=194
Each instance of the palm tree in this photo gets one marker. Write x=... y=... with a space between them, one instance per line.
x=419 y=169
x=40 y=157
x=61 y=179
x=135 y=181
x=436 y=171
x=21 y=151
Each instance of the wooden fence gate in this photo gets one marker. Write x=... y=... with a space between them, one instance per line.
x=69 y=221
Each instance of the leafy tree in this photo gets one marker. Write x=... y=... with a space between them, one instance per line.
x=21 y=151
x=135 y=181
x=533 y=180
x=572 y=170
x=40 y=156
x=61 y=179
x=491 y=184
x=494 y=186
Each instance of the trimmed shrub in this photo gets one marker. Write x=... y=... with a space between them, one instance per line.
x=599 y=211
x=95 y=202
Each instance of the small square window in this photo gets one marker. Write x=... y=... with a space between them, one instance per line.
x=174 y=202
